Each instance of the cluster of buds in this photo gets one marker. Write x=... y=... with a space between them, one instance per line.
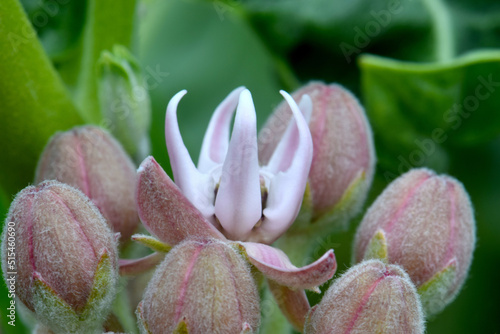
x=423 y=222
x=307 y=172
x=89 y=159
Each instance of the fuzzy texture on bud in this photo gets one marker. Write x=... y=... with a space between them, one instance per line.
x=371 y=297
x=201 y=287
x=89 y=159
x=65 y=257
x=425 y=223
x=343 y=157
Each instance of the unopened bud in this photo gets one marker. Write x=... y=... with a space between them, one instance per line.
x=343 y=159
x=89 y=159
x=371 y=297
x=201 y=287
x=425 y=223
x=64 y=255
x=124 y=100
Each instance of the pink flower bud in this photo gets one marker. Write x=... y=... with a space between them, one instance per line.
x=62 y=255
x=201 y=287
x=371 y=297
x=91 y=160
x=425 y=223
x=343 y=157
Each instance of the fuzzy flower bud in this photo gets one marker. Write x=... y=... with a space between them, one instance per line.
x=64 y=253
x=371 y=297
x=124 y=100
x=423 y=222
x=343 y=157
x=201 y=287
x=91 y=160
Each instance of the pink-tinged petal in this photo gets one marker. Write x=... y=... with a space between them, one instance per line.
x=196 y=186
x=286 y=189
x=283 y=154
x=216 y=140
x=130 y=267
x=165 y=211
x=292 y=303
x=276 y=266
x=238 y=205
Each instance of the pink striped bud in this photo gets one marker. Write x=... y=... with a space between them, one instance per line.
x=201 y=287
x=343 y=156
x=62 y=255
x=371 y=297
x=89 y=159
x=423 y=222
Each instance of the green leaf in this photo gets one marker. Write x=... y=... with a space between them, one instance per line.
x=109 y=22
x=34 y=101
x=323 y=38
x=418 y=110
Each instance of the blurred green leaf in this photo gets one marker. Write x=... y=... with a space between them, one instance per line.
x=58 y=24
x=322 y=38
x=209 y=54
x=417 y=110
x=34 y=102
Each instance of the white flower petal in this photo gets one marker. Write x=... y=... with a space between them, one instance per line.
x=286 y=189
x=216 y=140
x=283 y=154
x=238 y=205
x=197 y=187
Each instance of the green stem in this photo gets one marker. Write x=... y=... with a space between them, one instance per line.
x=443 y=29
x=122 y=309
x=109 y=22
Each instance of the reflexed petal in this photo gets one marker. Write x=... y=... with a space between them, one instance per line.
x=283 y=154
x=275 y=265
x=216 y=140
x=164 y=210
x=286 y=189
x=238 y=205
x=197 y=187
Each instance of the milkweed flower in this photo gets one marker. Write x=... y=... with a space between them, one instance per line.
x=242 y=199
x=173 y=219
x=229 y=196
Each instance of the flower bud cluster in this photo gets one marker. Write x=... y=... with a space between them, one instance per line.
x=211 y=230
x=425 y=223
